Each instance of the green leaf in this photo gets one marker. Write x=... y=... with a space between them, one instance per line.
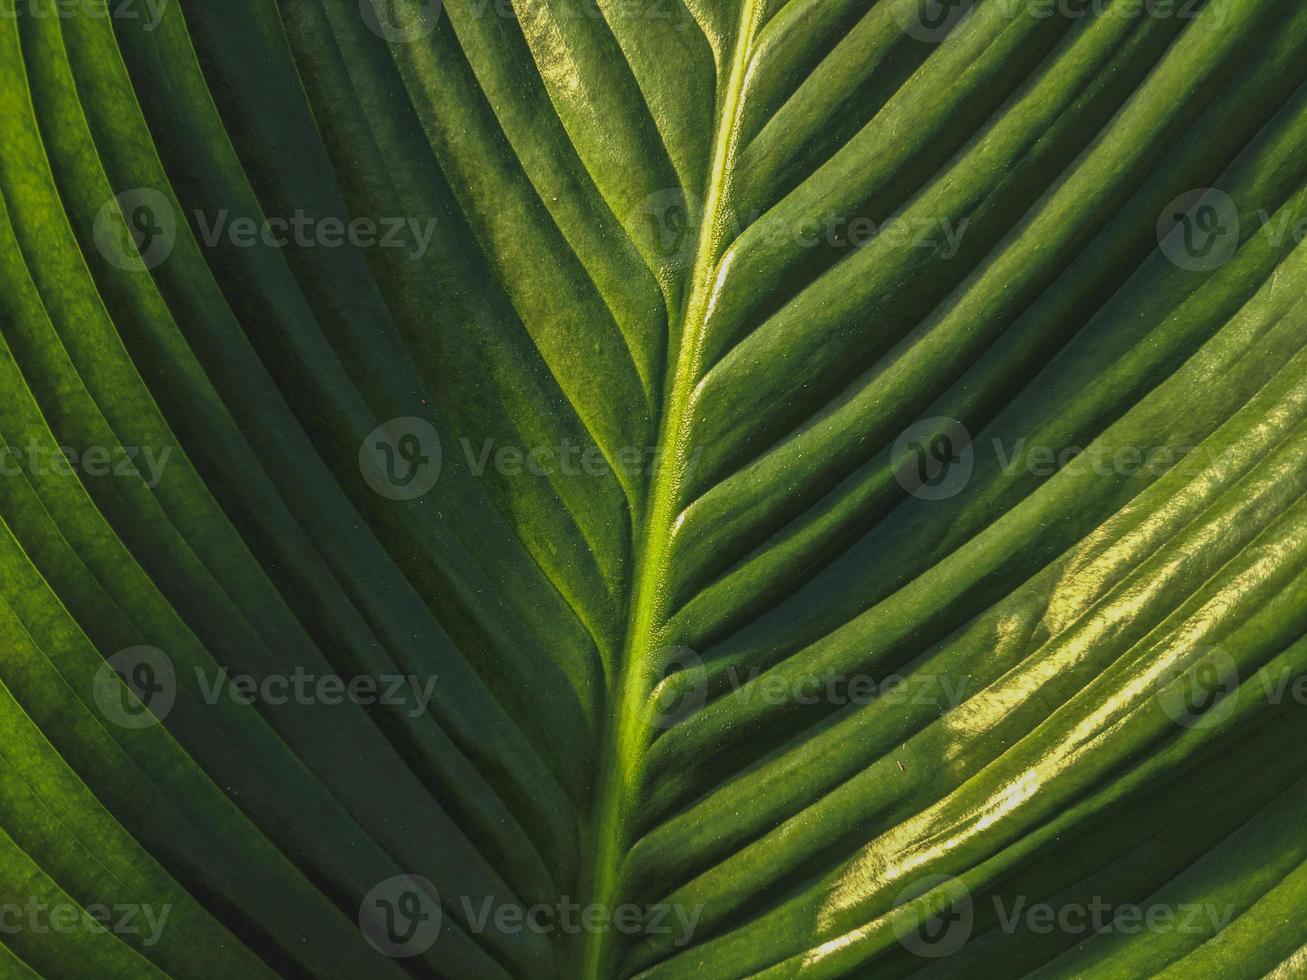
x=769 y=488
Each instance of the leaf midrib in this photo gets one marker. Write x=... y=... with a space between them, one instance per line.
x=622 y=749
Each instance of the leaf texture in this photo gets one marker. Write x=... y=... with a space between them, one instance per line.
x=683 y=298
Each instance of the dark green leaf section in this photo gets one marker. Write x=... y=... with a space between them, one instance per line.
x=725 y=257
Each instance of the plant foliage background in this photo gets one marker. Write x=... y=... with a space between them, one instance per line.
x=725 y=354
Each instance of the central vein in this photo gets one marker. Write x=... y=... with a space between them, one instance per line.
x=629 y=721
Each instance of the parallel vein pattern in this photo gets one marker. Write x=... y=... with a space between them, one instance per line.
x=850 y=483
